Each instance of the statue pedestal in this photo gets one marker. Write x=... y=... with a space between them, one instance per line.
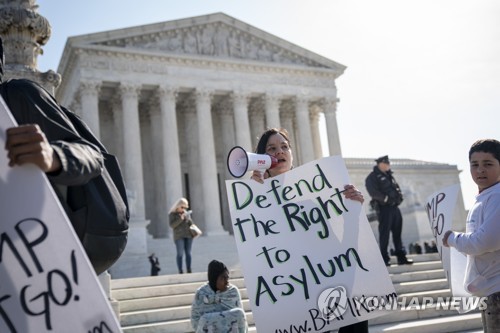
x=105 y=280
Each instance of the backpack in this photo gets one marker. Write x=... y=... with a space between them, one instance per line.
x=101 y=205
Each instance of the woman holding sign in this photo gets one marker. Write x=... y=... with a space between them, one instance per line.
x=275 y=142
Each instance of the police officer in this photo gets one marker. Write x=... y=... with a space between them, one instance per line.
x=386 y=197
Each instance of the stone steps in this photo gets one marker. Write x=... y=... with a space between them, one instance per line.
x=163 y=303
x=441 y=324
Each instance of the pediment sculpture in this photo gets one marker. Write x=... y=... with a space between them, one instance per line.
x=215 y=40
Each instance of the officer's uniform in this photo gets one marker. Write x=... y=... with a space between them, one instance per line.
x=386 y=197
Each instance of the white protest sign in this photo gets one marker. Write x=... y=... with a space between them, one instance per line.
x=310 y=259
x=46 y=281
x=440 y=207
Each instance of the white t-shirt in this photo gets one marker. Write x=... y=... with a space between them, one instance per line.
x=481 y=243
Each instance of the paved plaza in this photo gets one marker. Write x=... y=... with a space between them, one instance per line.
x=220 y=247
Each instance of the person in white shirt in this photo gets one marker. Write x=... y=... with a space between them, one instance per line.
x=481 y=240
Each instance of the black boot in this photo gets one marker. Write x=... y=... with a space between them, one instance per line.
x=387 y=259
x=402 y=260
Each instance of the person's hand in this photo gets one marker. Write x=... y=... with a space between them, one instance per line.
x=28 y=144
x=258 y=176
x=445 y=238
x=352 y=193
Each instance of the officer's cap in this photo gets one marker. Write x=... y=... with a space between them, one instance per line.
x=383 y=159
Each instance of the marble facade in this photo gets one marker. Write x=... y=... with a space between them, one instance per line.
x=171 y=99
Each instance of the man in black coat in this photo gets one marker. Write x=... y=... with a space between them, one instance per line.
x=61 y=145
x=386 y=197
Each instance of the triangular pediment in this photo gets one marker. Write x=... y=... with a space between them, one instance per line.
x=213 y=36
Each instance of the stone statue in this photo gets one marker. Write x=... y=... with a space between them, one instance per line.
x=234 y=45
x=221 y=41
x=24 y=32
x=206 y=40
x=190 y=44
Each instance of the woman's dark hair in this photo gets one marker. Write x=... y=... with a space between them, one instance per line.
x=215 y=269
x=261 y=145
x=491 y=146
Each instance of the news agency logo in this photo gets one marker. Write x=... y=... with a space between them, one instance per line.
x=332 y=302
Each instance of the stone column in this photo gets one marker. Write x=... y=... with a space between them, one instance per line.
x=116 y=109
x=257 y=121
x=331 y=126
x=190 y=140
x=228 y=136
x=226 y=116
x=76 y=106
x=133 y=262
x=132 y=149
x=272 y=111
x=170 y=143
x=241 y=123
x=304 y=129
x=208 y=167
x=287 y=113
x=318 y=151
x=154 y=178
x=89 y=96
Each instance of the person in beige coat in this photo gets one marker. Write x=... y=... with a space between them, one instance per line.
x=180 y=221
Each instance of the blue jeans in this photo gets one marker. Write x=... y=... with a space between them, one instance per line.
x=183 y=245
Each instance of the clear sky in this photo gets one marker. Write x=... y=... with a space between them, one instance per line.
x=422 y=78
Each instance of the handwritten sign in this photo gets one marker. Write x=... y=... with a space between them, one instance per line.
x=46 y=281
x=440 y=207
x=310 y=259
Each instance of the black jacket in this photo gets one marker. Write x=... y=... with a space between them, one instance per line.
x=81 y=161
x=383 y=188
x=89 y=185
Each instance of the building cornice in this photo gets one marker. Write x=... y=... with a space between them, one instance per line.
x=363 y=163
x=117 y=59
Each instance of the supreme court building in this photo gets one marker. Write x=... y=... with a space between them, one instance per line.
x=171 y=99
